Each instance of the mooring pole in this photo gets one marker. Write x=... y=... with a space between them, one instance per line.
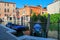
x=48 y=24
x=58 y=29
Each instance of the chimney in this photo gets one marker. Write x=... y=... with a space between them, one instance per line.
x=39 y=5
x=25 y=6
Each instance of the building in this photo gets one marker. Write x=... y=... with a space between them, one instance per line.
x=56 y=0
x=27 y=11
x=54 y=7
x=17 y=15
x=7 y=11
x=44 y=10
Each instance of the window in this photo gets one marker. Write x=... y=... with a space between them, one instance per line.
x=5 y=10
x=17 y=14
x=7 y=4
x=13 y=10
x=27 y=18
x=23 y=17
x=31 y=11
x=24 y=12
x=13 y=4
x=17 y=11
x=10 y=18
x=42 y=12
x=18 y=18
x=3 y=18
x=5 y=14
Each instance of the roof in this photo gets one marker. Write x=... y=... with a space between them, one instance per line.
x=35 y=6
x=53 y=3
x=32 y=6
x=7 y=2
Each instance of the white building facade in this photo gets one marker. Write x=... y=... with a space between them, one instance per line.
x=54 y=8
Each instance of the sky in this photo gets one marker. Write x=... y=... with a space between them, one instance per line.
x=21 y=3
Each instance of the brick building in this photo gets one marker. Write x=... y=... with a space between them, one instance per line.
x=27 y=11
x=7 y=11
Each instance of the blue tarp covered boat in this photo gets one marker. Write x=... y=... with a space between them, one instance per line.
x=16 y=27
